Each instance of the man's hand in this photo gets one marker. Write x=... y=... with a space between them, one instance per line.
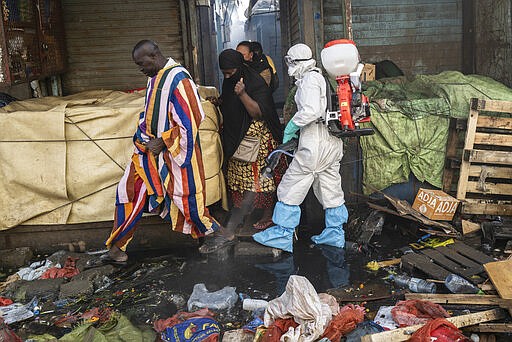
x=155 y=145
x=240 y=87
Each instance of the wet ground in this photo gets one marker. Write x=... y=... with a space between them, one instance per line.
x=157 y=284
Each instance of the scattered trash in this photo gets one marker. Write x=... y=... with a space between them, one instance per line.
x=344 y=322
x=105 y=284
x=35 y=270
x=411 y=312
x=384 y=318
x=194 y=329
x=218 y=300
x=457 y=284
x=6 y=334
x=362 y=329
x=250 y=304
x=68 y=271
x=5 y=301
x=15 y=312
x=439 y=330
x=301 y=302
x=414 y=284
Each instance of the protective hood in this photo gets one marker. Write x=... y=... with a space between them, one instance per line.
x=299 y=60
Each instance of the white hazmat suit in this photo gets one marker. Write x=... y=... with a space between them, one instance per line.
x=316 y=162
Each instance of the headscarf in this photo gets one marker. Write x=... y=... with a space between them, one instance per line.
x=236 y=118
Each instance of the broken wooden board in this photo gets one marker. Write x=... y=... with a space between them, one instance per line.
x=469 y=227
x=471 y=253
x=456 y=258
x=403 y=334
x=500 y=273
x=469 y=299
x=423 y=263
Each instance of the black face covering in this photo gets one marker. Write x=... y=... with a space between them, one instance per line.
x=236 y=117
x=235 y=77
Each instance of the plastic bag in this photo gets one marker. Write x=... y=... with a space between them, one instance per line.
x=411 y=312
x=344 y=322
x=439 y=330
x=218 y=300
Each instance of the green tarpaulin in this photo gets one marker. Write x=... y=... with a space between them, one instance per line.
x=411 y=120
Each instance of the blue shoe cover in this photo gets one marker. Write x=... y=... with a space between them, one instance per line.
x=333 y=233
x=286 y=217
x=276 y=237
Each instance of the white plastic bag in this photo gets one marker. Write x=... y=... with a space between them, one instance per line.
x=218 y=300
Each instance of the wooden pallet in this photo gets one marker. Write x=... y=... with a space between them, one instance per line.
x=456 y=258
x=484 y=185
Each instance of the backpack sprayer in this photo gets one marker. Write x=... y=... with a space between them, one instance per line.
x=348 y=106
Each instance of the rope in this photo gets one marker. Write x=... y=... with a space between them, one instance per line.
x=92 y=140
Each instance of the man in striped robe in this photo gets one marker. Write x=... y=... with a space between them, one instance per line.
x=166 y=174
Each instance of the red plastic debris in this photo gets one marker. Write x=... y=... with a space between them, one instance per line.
x=344 y=322
x=411 y=312
x=439 y=330
x=5 y=301
x=68 y=271
x=277 y=329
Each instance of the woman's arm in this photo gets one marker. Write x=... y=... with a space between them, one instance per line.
x=252 y=106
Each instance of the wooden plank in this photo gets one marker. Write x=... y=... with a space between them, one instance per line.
x=452 y=254
x=489 y=188
x=493 y=139
x=480 y=207
x=500 y=273
x=490 y=171
x=494 y=106
x=424 y=264
x=488 y=157
x=471 y=252
x=440 y=259
x=470 y=299
x=451 y=152
x=403 y=334
x=469 y=227
x=468 y=145
x=494 y=122
x=491 y=327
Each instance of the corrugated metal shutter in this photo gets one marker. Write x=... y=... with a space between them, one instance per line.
x=294 y=23
x=420 y=36
x=100 y=36
x=333 y=20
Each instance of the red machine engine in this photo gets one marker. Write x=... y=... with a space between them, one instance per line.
x=348 y=106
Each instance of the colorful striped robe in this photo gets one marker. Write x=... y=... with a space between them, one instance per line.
x=172 y=183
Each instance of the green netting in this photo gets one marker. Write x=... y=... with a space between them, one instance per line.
x=411 y=120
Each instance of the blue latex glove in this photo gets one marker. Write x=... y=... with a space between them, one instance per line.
x=290 y=131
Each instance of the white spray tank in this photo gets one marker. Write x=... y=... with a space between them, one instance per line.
x=340 y=58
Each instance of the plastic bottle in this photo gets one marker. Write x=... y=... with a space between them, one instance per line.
x=415 y=284
x=457 y=284
x=250 y=304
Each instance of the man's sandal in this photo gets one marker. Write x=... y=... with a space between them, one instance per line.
x=102 y=260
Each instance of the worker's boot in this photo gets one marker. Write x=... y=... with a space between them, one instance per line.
x=287 y=218
x=333 y=233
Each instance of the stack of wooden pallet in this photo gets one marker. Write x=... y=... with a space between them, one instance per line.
x=484 y=186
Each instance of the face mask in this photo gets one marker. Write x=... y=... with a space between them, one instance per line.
x=298 y=68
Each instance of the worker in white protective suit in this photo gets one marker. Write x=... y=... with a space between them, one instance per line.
x=316 y=161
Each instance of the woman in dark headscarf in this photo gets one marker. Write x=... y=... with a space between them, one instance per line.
x=248 y=109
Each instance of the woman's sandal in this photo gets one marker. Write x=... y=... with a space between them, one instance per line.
x=214 y=243
x=263 y=224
